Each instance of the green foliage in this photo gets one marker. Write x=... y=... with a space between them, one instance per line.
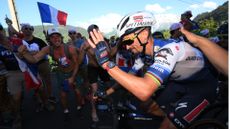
x=210 y=24
x=166 y=34
x=219 y=15
x=38 y=31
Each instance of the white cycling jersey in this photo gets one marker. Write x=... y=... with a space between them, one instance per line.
x=176 y=61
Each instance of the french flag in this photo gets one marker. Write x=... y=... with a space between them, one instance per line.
x=32 y=78
x=51 y=15
x=32 y=81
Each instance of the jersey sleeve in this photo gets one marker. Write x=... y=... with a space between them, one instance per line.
x=164 y=62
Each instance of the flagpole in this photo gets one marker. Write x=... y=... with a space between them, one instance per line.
x=44 y=31
x=14 y=15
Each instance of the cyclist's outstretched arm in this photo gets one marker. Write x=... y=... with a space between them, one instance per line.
x=141 y=87
x=216 y=54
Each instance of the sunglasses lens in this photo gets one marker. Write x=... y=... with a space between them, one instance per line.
x=128 y=42
x=28 y=29
x=72 y=33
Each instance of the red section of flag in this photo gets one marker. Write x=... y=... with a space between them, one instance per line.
x=62 y=16
x=30 y=84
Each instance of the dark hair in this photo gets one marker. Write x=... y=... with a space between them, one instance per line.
x=223 y=29
x=79 y=35
x=158 y=35
x=91 y=27
x=1 y=27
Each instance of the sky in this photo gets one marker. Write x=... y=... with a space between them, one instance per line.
x=107 y=13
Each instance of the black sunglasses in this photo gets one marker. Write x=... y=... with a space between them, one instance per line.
x=130 y=41
x=27 y=28
x=72 y=33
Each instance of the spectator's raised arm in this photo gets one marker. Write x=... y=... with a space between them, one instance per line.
x=216 y=54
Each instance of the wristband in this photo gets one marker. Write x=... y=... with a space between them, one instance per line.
x=109 y=65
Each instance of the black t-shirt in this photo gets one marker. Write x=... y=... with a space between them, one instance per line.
x=8 y=59
x=40 y=43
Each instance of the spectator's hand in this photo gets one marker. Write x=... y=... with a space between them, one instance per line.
x=22 y=49
x=8 y=21
x=97 y=42
x=71 y=81
x=190 y=36
x=86 y=46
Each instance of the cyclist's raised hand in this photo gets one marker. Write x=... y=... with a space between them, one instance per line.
x=97 y=42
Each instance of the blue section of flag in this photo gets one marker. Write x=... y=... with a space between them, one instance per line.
x=45 y=13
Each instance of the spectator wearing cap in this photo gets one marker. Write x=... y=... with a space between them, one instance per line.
x=36 y=44
x=77 y=40
x=205 y=33
x=175 y=32
x=67 y=64
x=158 y=35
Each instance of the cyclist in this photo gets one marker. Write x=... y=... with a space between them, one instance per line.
x=189 y=88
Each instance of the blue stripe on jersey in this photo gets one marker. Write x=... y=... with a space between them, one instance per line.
x=159 y=72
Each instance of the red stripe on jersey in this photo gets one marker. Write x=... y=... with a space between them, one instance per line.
x=196 y=111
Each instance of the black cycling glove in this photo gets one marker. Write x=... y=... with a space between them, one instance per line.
x=101 y=53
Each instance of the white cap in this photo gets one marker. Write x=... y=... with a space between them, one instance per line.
x=204 y=32
x=215 y=39
x=175 y=26
x=51 y=31
x=23 y=25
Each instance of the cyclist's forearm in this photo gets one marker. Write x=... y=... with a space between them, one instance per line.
x=142 y=88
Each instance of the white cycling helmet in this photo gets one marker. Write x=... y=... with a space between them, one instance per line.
x=134 y=21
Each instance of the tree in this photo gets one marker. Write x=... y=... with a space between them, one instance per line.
x=210 y=24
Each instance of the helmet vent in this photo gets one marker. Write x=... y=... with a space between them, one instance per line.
x=124 y=23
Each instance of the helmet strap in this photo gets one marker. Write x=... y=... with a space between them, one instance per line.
x=144 y=44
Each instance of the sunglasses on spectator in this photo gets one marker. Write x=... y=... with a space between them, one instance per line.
x=27 y=28
x=70 y=33
x=129 y=41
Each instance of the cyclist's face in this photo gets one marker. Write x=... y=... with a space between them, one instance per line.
x=131 y=41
